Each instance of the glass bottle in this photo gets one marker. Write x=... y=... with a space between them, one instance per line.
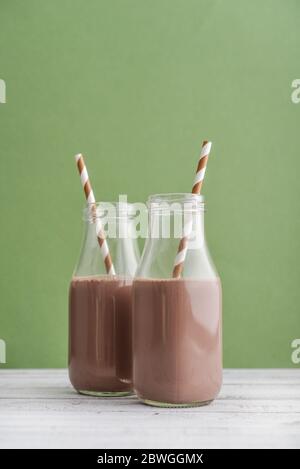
x=177 y=349
x=100 y=314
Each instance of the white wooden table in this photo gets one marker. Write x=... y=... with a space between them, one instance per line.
x=256 y=408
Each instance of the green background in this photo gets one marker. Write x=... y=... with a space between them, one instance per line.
x=136 y=85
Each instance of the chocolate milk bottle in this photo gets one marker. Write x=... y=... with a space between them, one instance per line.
x=100 y=307
x=177 y=346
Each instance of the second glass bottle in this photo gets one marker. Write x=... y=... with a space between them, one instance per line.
x=100 y=315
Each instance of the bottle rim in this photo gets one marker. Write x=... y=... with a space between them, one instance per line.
x=176 y=202
x=108 y=210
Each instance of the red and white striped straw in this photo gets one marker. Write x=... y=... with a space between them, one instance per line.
x=90 y=198
x=200 y=173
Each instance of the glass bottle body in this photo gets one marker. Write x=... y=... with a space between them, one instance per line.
x=177 y=347
x=100 y=310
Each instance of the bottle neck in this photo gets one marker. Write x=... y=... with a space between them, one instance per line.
x=176 y=231
x=176 y=215
x=177 y=225
x=120 y=241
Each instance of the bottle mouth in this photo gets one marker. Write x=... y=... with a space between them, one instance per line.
x=175 y=202
x=108 y=210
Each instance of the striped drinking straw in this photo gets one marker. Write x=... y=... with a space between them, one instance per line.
x=182 y=248
x=90 y=198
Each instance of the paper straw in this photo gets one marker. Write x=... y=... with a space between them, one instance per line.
x=182 y=248
x=90 y=198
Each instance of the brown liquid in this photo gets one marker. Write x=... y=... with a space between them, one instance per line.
x=100 y=332
x=177 y=357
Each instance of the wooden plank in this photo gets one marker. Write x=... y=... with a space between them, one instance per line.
x=151 y=429
x=65 y=391
x=254 y=384
x=256 y=408
x=129 y=405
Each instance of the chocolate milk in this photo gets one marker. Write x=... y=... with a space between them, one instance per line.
x=177 y=356
x=100 y=333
